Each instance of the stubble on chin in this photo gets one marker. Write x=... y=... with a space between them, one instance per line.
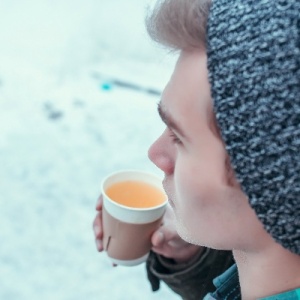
x=181 y=228
x=184 y=232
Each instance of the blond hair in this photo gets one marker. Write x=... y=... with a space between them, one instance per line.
x=179 y=24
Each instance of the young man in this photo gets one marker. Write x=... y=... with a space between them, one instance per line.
x=231 y=148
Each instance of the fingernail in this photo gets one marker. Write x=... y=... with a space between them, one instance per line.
x=99 y=245
x=159 y=237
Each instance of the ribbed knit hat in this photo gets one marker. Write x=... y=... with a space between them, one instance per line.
x=253 y=49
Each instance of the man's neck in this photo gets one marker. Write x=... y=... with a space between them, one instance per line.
x=267 y=272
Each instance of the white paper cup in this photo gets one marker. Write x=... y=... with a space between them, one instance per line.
x=128 y=230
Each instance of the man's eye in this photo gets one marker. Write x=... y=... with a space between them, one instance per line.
x=175 y=138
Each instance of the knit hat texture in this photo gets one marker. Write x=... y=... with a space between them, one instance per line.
x=253 y=51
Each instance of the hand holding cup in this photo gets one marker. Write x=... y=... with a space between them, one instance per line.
x=164 y=239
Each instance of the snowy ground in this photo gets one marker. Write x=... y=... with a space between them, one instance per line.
x=65 y=122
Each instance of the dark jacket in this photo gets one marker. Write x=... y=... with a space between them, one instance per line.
x=193 y=280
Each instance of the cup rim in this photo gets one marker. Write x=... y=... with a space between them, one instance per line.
x=130 y=207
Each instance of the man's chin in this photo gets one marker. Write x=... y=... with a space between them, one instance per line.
x=186 y=236
x=183 y=232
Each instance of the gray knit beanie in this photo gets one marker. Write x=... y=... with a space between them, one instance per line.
x=254 y=72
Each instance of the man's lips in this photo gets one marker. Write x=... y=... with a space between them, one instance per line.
x=171 y=203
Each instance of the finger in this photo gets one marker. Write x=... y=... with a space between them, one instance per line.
x=168 y=233
x=97 y=226
x=163 y=236
x=157 y=239
x=98 y=232
x=99 y=203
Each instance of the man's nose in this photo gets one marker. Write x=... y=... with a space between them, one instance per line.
x=161 y=154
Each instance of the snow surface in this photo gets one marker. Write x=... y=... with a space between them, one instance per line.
x=70 y=114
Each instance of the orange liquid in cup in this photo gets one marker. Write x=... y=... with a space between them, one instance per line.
x=135 y=194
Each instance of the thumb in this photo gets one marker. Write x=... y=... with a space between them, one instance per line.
x=158 y=238
x=163 y=236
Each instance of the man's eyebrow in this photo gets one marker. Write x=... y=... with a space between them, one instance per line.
x=168 y=120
